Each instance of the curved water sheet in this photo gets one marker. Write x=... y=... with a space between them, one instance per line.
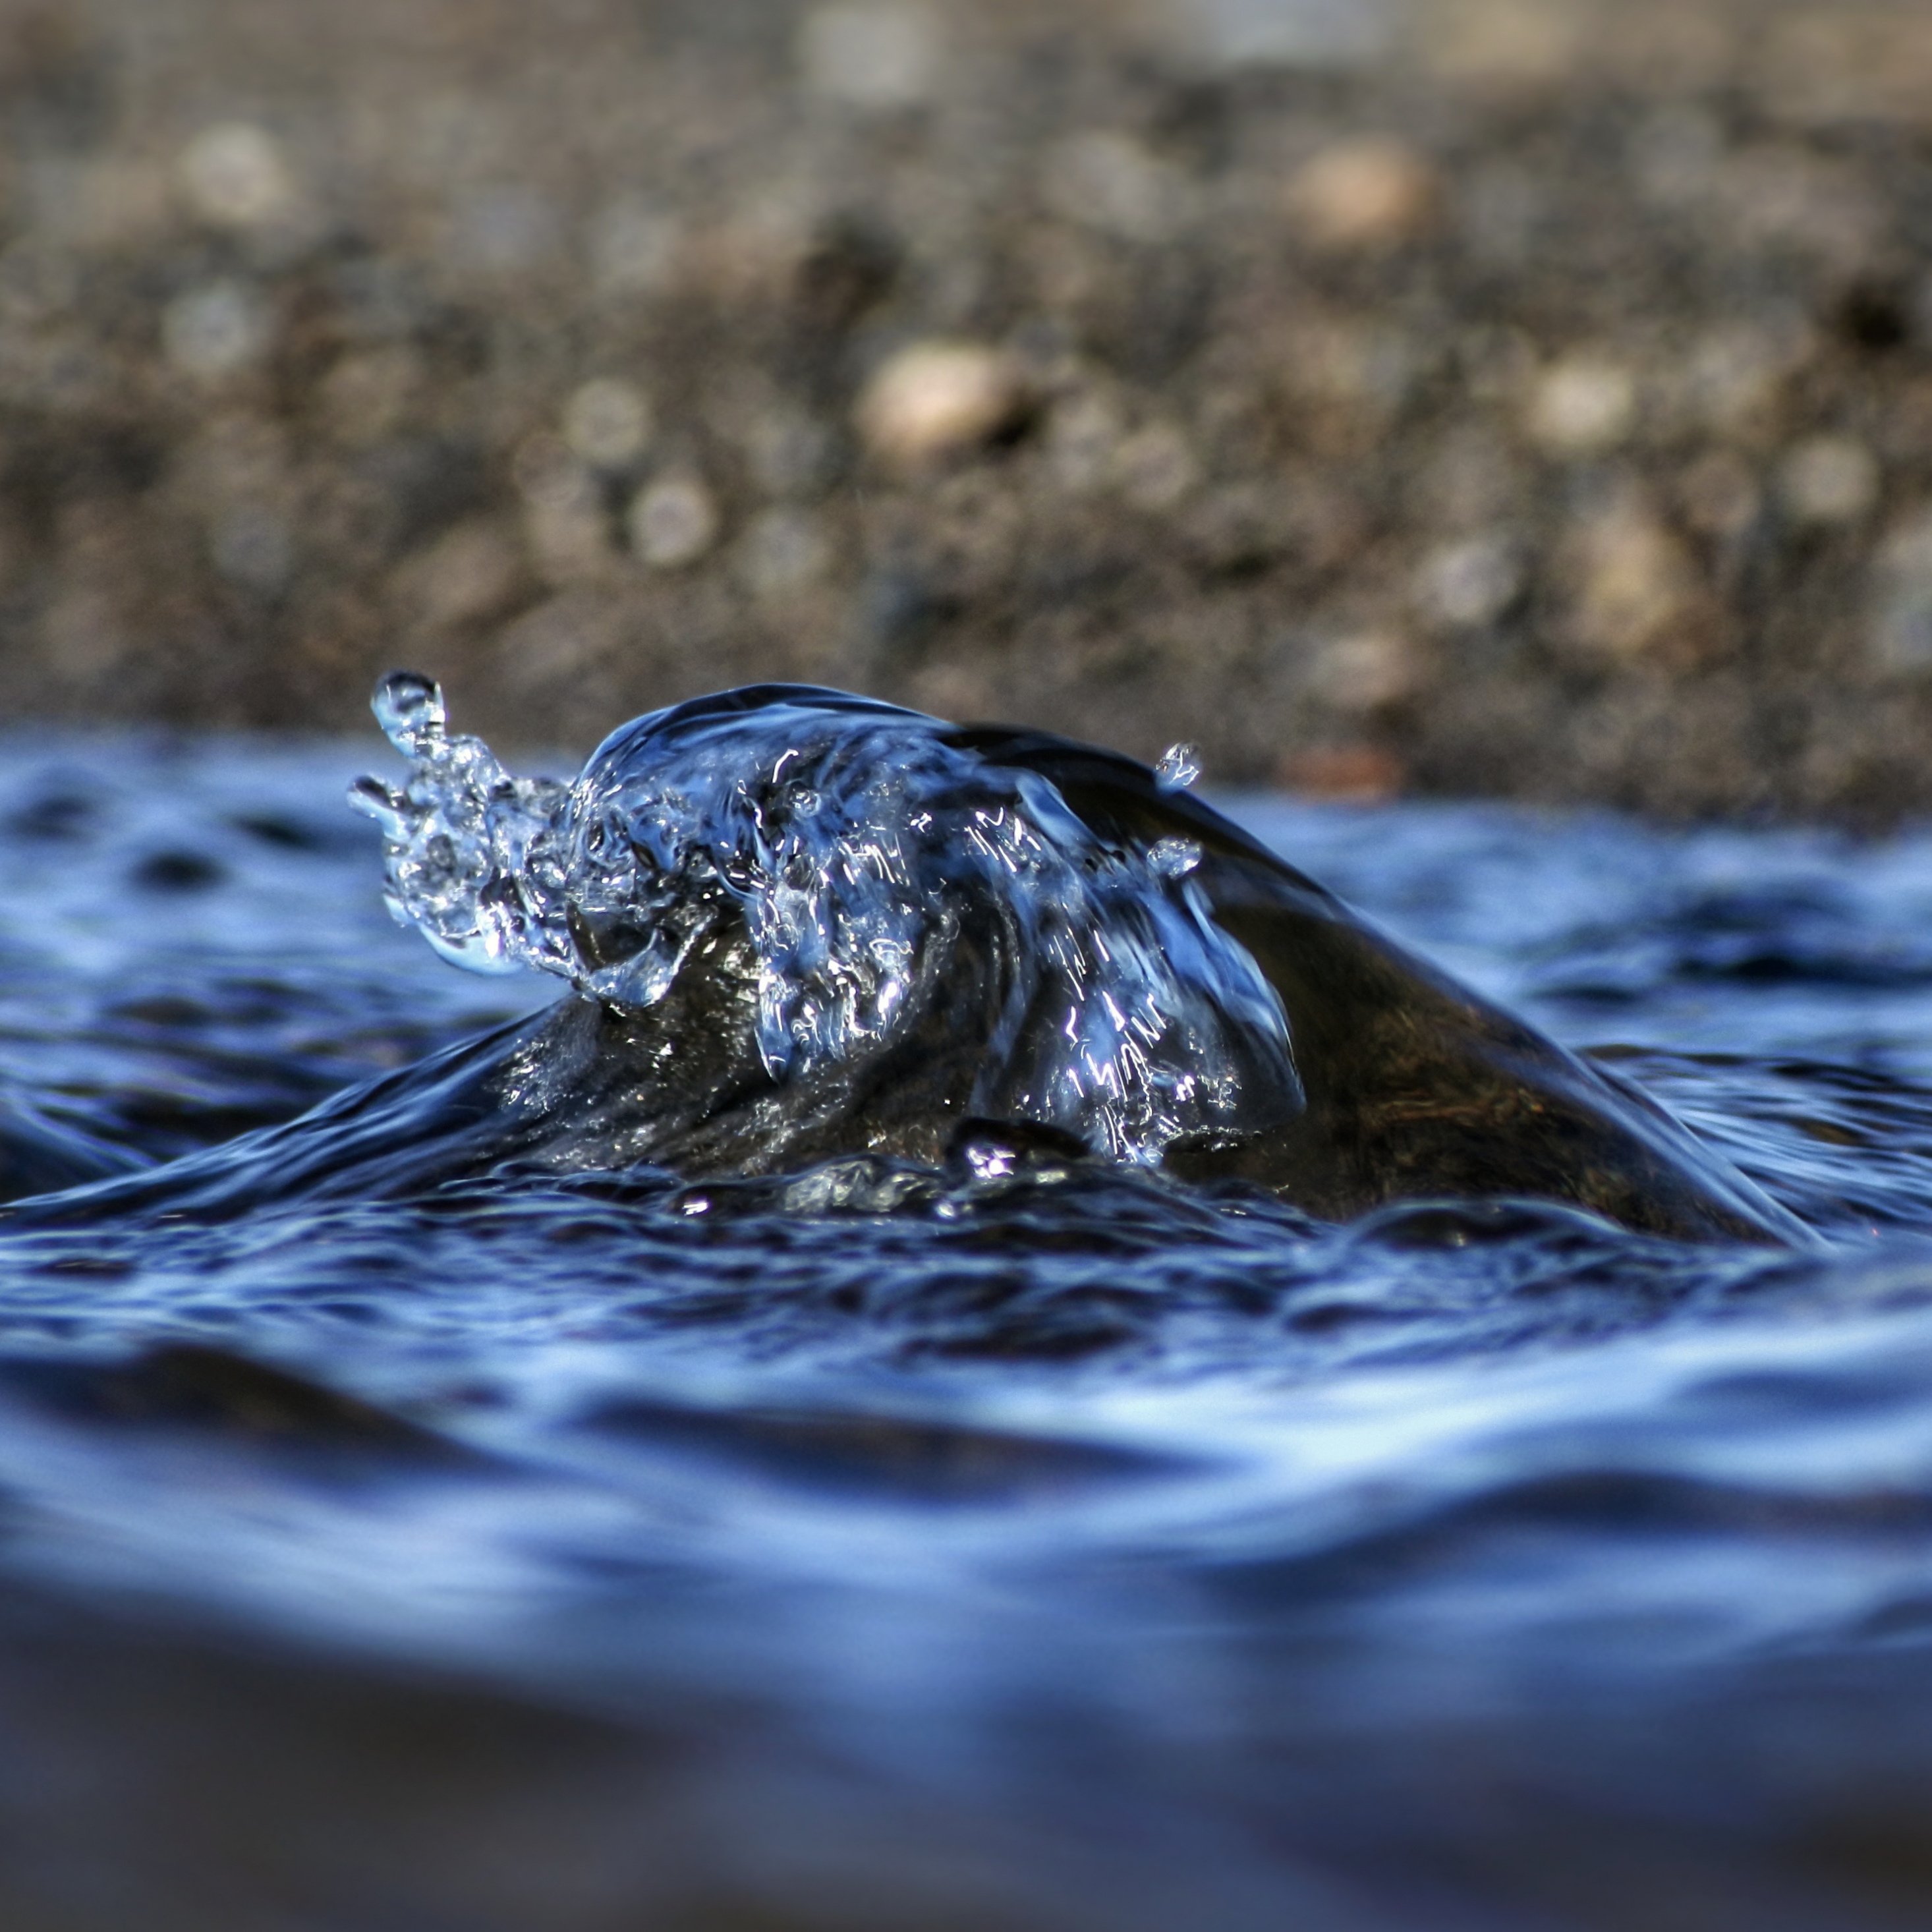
x=1056 y=1524
x=837 y=869
x=801 y=926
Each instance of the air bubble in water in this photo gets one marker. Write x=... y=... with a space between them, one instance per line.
x=1174 y=858
x=1177 y=768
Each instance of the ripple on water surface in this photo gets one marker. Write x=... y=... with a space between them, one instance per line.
x=1023 y=1539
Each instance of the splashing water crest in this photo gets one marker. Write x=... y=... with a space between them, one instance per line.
x=465 y=841
x=853 y=848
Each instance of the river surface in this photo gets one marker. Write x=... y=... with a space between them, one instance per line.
x=1070 y=1549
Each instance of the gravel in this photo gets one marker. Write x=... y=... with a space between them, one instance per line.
x=1511 y=397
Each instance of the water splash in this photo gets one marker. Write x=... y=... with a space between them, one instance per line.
x=1177 y=767
x=852 y=850
x=467 y=847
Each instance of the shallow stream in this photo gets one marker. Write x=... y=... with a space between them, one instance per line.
x=1060 y=1547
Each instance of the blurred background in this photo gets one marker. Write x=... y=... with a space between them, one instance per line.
x=1521 y=397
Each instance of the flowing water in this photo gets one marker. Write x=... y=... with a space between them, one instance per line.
x=576 y=1534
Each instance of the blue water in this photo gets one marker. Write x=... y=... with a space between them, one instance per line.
x=1081 y=1549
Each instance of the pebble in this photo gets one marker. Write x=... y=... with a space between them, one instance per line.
x=216 y=330
x=1501 y=44
x=1370 y=192
x=870 y=54
x=608 y=422
x=235 y=175
x=1630 y=579
x=1353 y=371
x=1828 y=479
x=935 y=398
x=1582 y=405
x=1464 y=585
x=1364 y=672
x=672 y=522
x=1293 y=33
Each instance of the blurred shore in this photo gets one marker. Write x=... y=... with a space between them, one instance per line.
x=1509 y=397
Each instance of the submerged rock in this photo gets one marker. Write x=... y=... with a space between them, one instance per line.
x=800 y=924
x=803 y=928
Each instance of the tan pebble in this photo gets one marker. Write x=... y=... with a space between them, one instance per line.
x=1364 y=672
x=878 y=54
x=1465 y=586
x=1501 y=43
x=1828 y=479
x=672 y=522
x=936 y=397
x=1631 y=579
x=235 y=175
x=608 y=422
x=1368 y=193
x=1582 y=406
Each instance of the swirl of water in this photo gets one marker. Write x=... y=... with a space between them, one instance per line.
x=856 y=850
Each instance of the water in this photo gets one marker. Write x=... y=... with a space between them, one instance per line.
x=408 y=1526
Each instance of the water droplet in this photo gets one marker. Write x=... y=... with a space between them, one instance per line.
x=1174 y=858
x=1178 y=767
x=991 y=1160
x=409 y=708
x=382 y=802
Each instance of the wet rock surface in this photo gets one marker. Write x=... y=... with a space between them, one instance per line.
x=1507 y=396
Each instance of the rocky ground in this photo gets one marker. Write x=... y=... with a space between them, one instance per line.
x=1508 y=397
